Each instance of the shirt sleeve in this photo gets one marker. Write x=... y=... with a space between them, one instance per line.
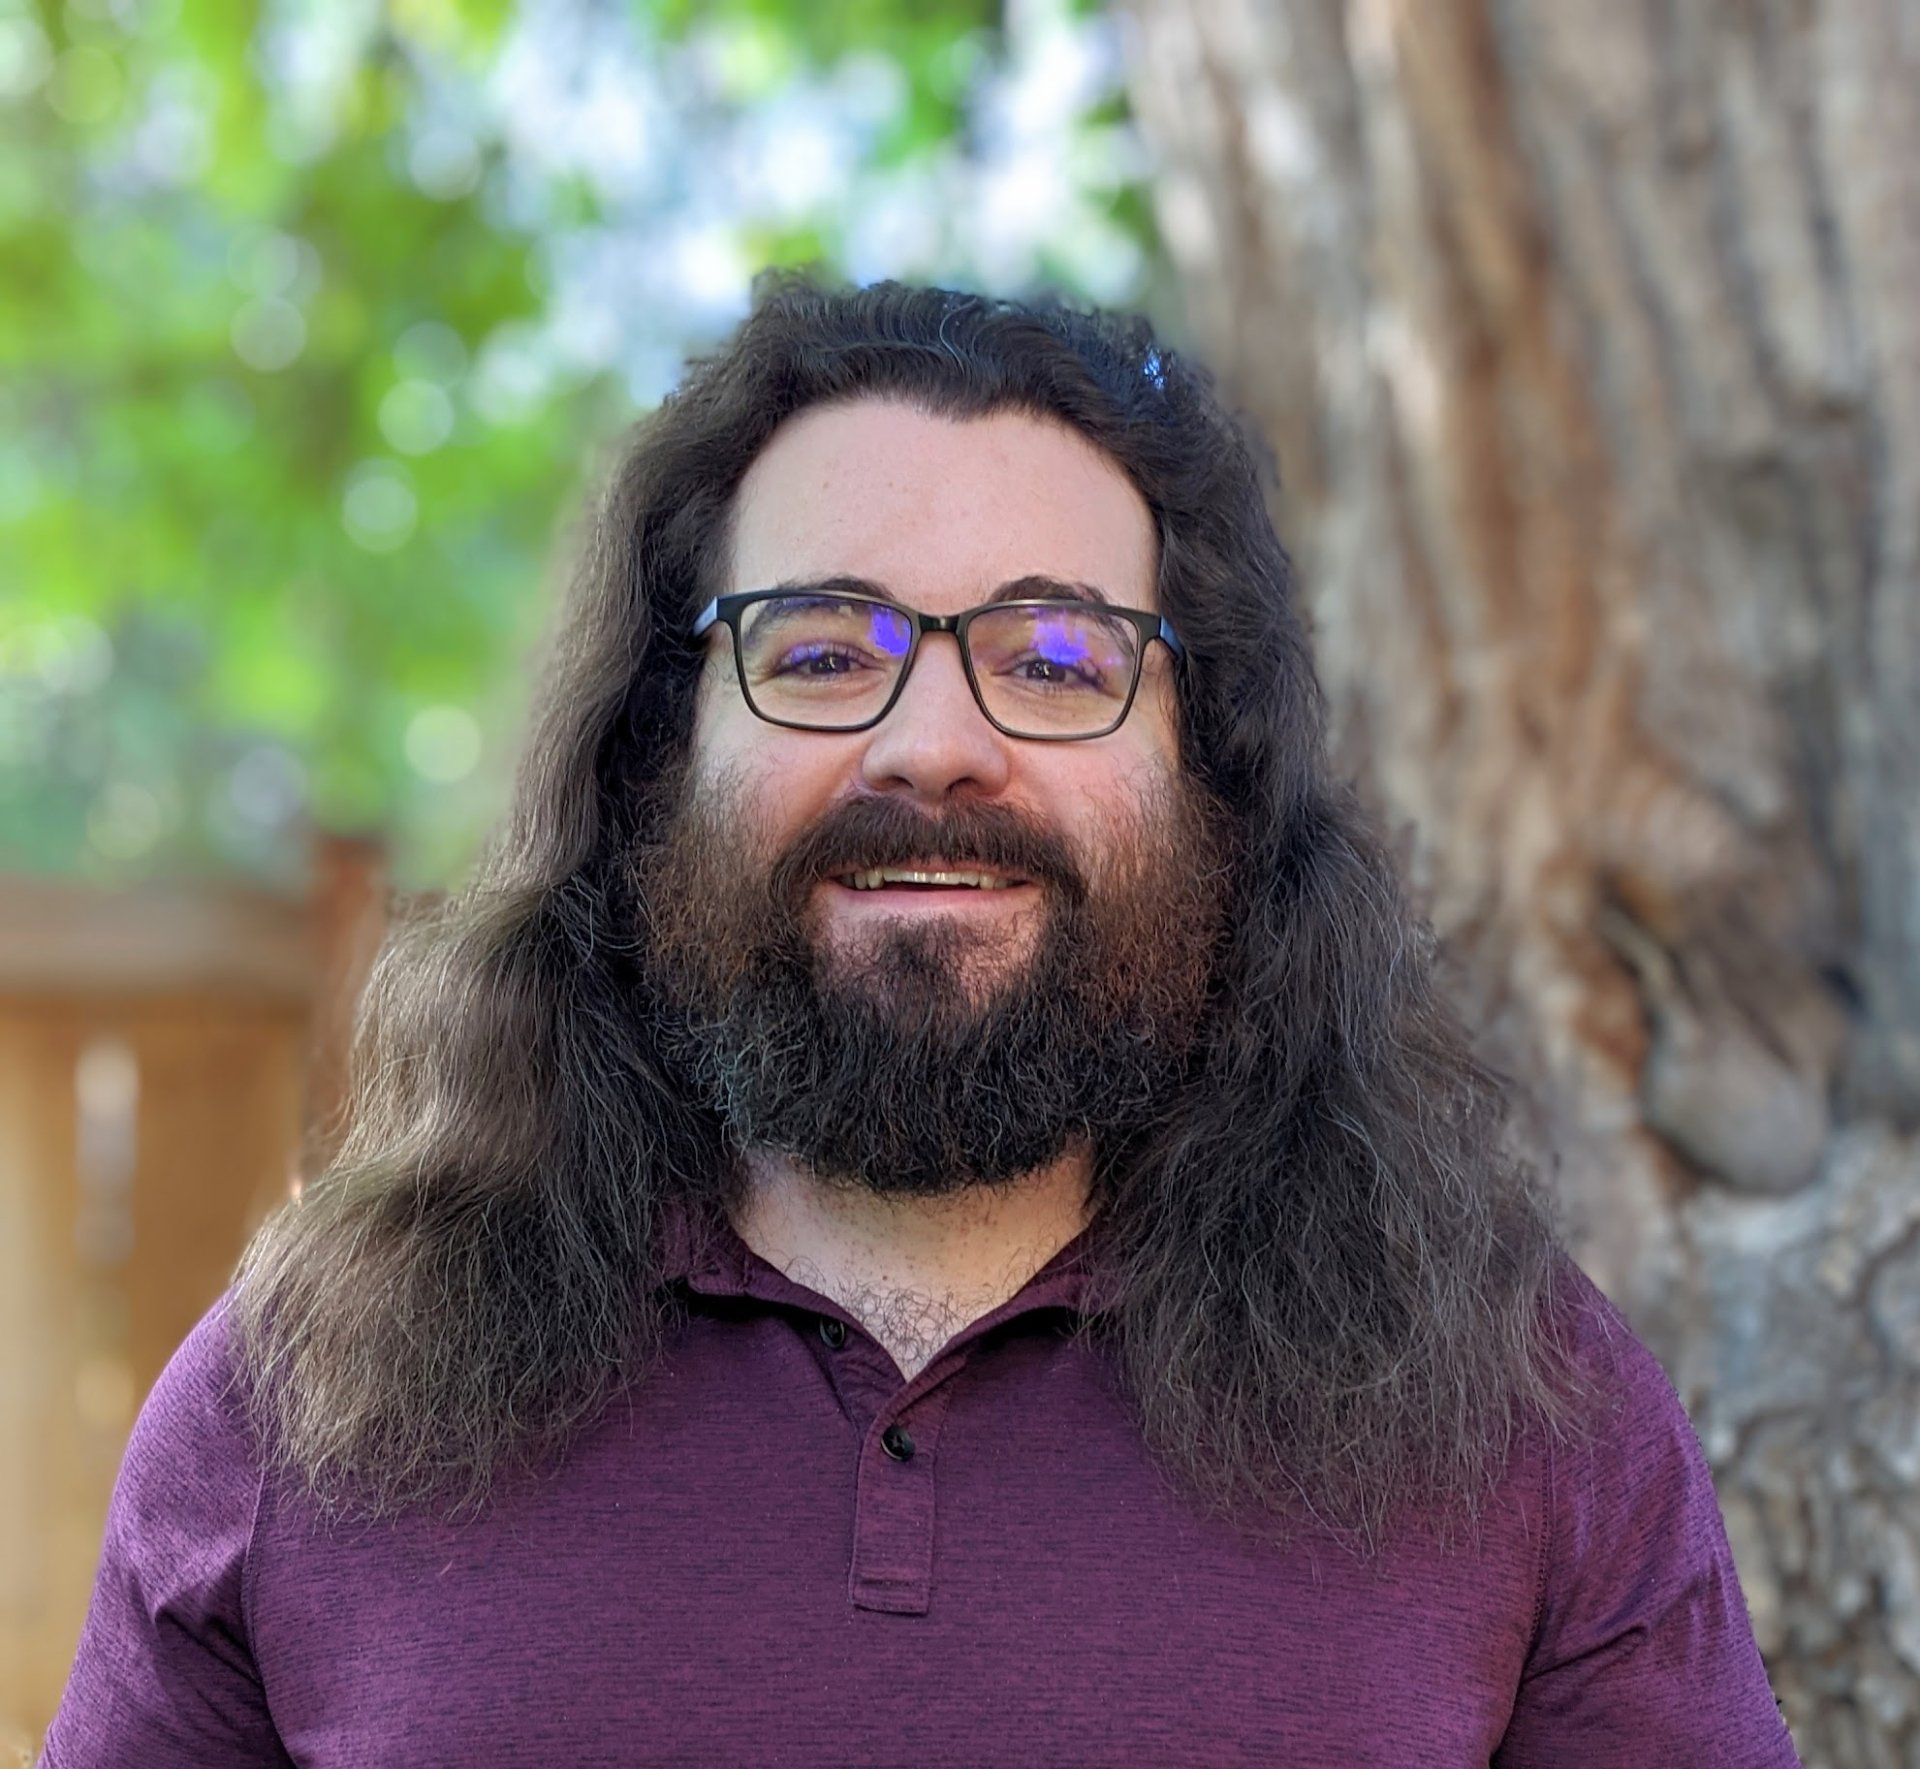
x=1643 y=1651
x=164 y=1676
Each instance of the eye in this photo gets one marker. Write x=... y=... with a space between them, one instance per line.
x=1062 y=674
x=820 y=660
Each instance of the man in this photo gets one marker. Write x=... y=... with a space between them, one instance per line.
x=923 y=1206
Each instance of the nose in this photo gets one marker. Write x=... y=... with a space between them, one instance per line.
x=936 y=738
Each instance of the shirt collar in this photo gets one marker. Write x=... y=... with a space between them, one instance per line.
x=702 y=1249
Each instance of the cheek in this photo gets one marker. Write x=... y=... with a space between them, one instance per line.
x=1097 y=805
x=1156 y=712
x=775 y=782
x=713 y=706
x=1081 y=801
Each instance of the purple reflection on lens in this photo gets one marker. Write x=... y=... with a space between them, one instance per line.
x=890 y=631
x=1058 y=642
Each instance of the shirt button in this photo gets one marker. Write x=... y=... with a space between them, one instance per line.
x=832 y=1331
x=897 y=1443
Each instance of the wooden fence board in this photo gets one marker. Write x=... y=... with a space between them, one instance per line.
x=158 y=1061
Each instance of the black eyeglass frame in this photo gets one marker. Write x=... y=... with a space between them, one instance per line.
x=726 y=610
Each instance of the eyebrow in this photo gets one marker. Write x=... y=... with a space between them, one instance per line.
x=1034 y=586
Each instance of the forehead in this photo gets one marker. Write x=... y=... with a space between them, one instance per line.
x=941 y=511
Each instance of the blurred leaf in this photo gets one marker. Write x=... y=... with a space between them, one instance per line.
x=281 y=466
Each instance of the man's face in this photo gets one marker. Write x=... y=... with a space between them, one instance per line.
x=969 y=1027
x=941 y=513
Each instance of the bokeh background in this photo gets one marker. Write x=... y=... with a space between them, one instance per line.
x=1587 y=337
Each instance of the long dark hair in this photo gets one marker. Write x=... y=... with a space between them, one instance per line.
x=1333 y=1278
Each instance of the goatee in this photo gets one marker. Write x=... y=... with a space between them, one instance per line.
x=920 y=1056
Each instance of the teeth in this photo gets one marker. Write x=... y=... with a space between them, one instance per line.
x=875 y=877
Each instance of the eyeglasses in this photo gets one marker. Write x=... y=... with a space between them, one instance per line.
x=1054 y=669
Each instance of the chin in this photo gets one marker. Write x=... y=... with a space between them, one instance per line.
x=892 y=962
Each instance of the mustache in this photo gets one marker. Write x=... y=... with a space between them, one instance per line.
x=872 y=830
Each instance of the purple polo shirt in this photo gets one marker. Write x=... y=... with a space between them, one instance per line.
x=773 y=1550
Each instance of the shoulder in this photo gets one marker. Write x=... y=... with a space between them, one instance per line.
x=183 y=1505
x=198 y=1386
x=1643 y=1649
x=192 y=1435
x=1637 y=1449
x=163 y=1674
x=1586 y=1318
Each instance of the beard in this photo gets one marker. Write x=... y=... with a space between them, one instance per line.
x=928 y=1053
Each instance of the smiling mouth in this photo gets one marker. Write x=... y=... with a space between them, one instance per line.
x=880 y=878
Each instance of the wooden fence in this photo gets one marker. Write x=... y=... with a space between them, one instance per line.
x=163 y=1054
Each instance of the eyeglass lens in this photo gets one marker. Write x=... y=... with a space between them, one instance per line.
x=1043 y=670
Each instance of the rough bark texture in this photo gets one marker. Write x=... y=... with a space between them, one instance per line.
x=1588 y=336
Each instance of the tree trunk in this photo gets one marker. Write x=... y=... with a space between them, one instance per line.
x=1588 y=336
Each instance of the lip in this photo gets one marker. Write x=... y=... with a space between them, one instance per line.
x=911 y=899
x=937 y=863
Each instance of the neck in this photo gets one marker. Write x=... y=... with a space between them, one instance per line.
x=913 y=1271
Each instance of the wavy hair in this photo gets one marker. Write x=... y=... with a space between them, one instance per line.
x=1333 y=1279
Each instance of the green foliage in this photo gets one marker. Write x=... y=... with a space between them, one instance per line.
x=939 y=46
x=281 y=466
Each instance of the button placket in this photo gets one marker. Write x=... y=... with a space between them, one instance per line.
x=893 y=1513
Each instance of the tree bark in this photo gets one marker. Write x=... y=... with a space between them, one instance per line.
x=1588 y=338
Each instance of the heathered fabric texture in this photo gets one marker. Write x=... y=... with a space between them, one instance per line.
x=732 y=1568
